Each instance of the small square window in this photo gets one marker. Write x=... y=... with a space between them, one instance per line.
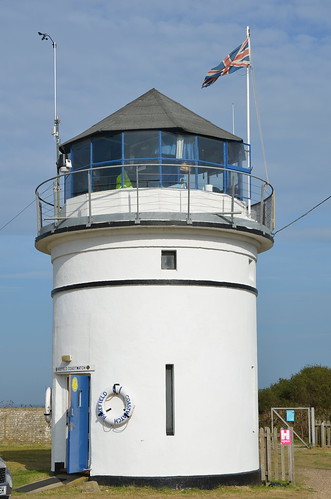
x=169 y=260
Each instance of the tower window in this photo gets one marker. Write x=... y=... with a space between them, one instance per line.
x=168 y=260
x=170 y=417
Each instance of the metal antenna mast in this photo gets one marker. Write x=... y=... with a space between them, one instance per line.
x=55 y=133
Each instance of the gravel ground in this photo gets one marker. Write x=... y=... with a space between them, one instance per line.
x=319 y=481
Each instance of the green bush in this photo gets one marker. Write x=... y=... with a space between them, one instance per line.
x=311 y=387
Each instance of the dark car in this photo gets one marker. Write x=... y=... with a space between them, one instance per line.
x=6 y=482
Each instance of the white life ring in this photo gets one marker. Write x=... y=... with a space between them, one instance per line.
x=48 y=405
x=109 y=417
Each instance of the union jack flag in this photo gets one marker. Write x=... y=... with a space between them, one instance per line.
x=237 y=59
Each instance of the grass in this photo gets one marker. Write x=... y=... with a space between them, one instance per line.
x=316 y=458
x=30 y=463
x=27 y=463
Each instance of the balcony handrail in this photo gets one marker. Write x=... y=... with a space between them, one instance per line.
x=255 y=203
x=176 y=164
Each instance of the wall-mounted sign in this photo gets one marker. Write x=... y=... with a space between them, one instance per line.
x=74 y=369
x=285 y=437
x=290 y=415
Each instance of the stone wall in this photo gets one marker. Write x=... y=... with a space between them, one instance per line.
x=26 y=425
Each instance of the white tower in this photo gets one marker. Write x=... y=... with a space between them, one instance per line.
x=154 y=235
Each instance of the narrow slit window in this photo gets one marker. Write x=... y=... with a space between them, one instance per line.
x=170 y=417
x=168 y=260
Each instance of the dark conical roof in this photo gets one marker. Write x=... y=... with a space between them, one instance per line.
x=151 y=111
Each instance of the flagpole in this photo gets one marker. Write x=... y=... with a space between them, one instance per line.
x=248 y=33
x=248 y=94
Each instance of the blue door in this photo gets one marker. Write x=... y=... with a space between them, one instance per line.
x=78 y=424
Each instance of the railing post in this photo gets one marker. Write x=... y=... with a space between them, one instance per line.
x=89 y=189
x=262 y=204
x=137 y=220
x=273 y=212
x=39 y=213
x=232 y=204
x=189 y=220
x=249 y=195
x=58 y=198
x=55 y=201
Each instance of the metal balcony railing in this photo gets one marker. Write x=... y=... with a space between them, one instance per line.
x=142 y=188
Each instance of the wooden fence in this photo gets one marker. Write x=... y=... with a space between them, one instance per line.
x=323 y=433
x=276 y=459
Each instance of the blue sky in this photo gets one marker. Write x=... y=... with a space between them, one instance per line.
x=109 y=53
